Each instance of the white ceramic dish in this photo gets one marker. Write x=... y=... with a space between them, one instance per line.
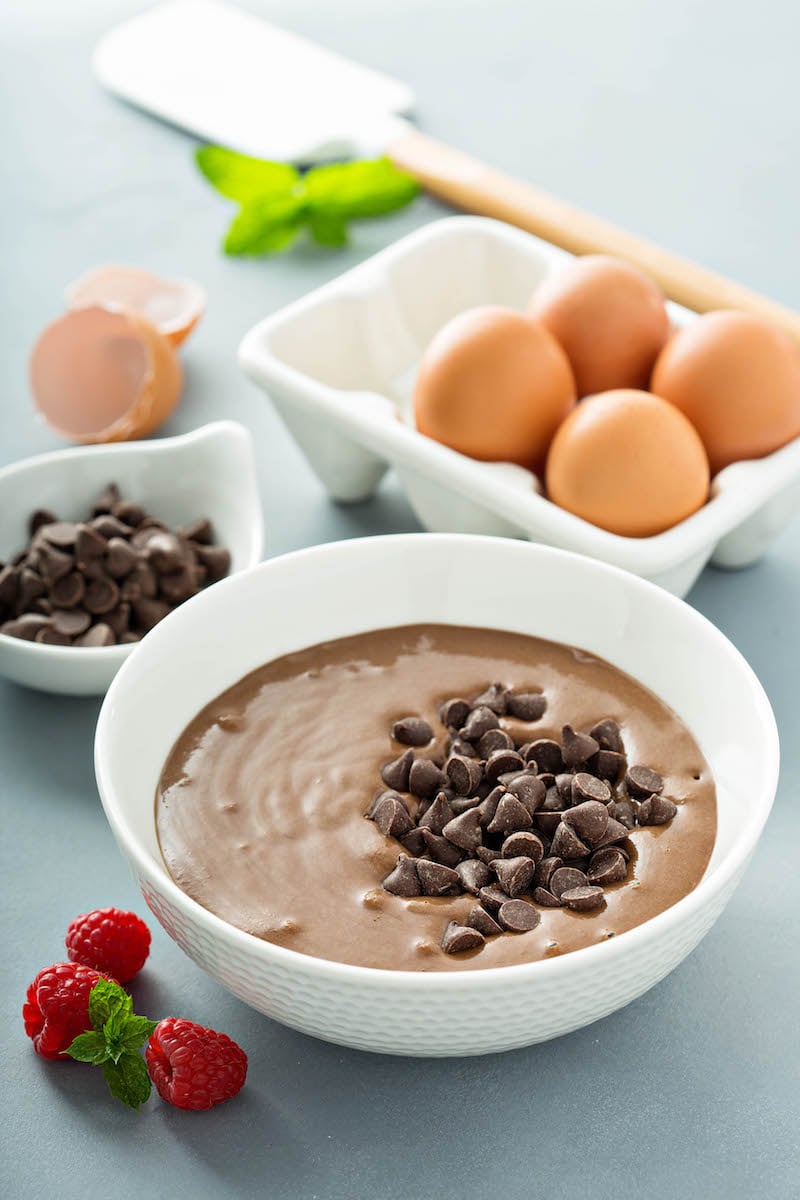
x=340 y=364
x=378 y=582
x=210 y=472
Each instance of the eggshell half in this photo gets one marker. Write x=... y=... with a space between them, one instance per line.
x=494 y=385
x=609 y=317
x=102 y=376
x=629 y=462
x=737 y=379
x=174 y=306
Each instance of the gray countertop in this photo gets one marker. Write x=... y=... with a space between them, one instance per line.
x=681 y=121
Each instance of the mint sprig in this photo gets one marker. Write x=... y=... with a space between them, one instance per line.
x=277 y=201
x=114 y=1042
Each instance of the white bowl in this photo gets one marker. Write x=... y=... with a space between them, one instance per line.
x=210 y=472
x=349 y=587
x=340 y=364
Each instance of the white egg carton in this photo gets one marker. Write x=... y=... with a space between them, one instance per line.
x=340 y=363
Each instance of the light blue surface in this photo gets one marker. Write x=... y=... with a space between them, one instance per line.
x=680 y=121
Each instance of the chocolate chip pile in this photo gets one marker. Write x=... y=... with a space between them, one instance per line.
x=106 y=580
x=520 y=827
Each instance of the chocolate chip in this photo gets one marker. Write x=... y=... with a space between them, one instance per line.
x=165 y=552
x=425 y=779
x=148 y=612
x=440 y=850
x=392 y=817
x=576 y=748
x=529 y=789
x=464 y=831
x=590 y=822
x=492 y=898
x=615 y=832
x=68 y=591
x=564 y=879
x=453 y=713
x=403 y=881
x=479 y=722
x=460 y=804
x=545 y=871
x=473 y=875
x=526 y=706
x=517 y=916
x=463 y=749
x=414 y=843
x=488 y=806
x=656 y=810
x=526 y=752
x=59 y=533
x=70 y=622
x=608 y=764
x=567 y=844
x=199 y=531
x=541 y=896
x=51 y=563
x=437 y=880
x=395 y=773
x=121 y=558
x=106 y=500
x=437 y=816
x=494 y=739
x=119 y=618
x=586 y=787
x=607 y=866
x=42 y=516
x=129 y=512
x=510 y=815
x=412 y=731
x=9 y=577
x=547 y=755
x=547 y=822
x=98 y=635
x=494 y=698
x=460 y=937
x=109 y=527
x=216 y=560
x=25 y=626
x=179 y=585
x=101 y=596
x=29 y=585
x=623 y=811
x=564 y=787
x=486 y=854
x=525 y=845
x=502 y=762
x=553 y=801
x=479 y=919
x=464 y=774
x=49 y=636
x=583 y=899
x=513 y=874
x=607 y=735
x=40 y=605
x=128 y=636
x=643 y=782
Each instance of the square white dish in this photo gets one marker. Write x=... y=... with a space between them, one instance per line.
x=339 y=364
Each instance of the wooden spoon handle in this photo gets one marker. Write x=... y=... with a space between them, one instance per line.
x=471 y=185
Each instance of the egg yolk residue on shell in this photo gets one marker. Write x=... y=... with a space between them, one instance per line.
x=629 y=462
x=737 y=379
x=609 y=317
x=494 y=385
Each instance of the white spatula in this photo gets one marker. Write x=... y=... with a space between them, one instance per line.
x=231 y=78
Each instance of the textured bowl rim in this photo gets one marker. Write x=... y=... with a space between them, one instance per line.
x=622 y=944
x=118 y=653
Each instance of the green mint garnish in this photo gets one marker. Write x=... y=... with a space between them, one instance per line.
x=277 y=201
x=114 y=1042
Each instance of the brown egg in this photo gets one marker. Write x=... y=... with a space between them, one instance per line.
x=173 y=306
x=737 y=378
x=101 y=376
x=610 y=319
x=494 y=385
x=628 y=462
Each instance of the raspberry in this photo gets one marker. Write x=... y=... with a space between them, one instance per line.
x=193 y=1067
x=111 y=940
x=57 y=1007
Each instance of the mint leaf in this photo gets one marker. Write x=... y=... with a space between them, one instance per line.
x=264 y=227
x=89 y=1047
x=128 y=1079
x=327 y=229
x=358 y=189
x=242 y=178
x=136 y=1032
x=106 y=1000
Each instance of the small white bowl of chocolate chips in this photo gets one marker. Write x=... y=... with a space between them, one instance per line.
x=99 y=543
x=436 y=794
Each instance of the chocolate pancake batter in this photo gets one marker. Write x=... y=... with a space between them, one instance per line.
x=261 y=804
